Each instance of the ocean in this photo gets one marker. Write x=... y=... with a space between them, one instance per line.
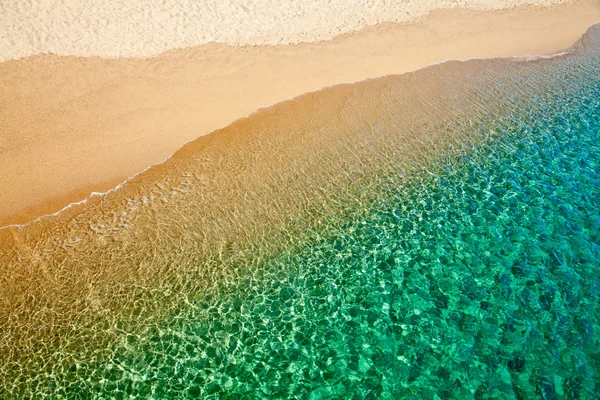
x=429 y=235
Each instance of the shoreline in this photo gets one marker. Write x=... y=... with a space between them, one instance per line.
x=98 y=114
x=132 y=179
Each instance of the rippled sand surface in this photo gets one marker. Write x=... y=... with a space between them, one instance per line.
x=431 y=235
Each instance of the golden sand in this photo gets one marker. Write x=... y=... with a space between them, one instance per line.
x=70 y=125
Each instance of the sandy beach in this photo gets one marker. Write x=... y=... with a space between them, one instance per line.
x=72 y=125
x=316 y=199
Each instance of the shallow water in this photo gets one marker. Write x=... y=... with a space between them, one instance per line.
x=431 y=235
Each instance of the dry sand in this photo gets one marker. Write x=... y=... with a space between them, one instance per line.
x=72 y=125
x=117 y=28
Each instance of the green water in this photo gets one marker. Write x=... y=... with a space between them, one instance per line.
x=480 y=279
x=474 y=276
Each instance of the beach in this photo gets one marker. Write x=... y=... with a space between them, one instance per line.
x=381 y=206
x=76 y=125
x=418 y=235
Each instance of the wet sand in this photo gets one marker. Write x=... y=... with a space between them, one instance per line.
x=73 y=125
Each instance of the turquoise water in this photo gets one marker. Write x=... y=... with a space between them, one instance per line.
x=480 y=279
x=475 y=276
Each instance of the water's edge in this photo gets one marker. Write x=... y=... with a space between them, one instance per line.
x=294 y=99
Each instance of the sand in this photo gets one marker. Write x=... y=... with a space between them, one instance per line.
x=116 y=28
x=73 y=125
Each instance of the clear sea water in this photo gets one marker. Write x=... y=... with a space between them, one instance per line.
x=466 y=265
